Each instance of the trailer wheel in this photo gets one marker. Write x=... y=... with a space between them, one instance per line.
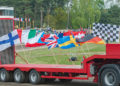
x=109 y=77
x=35 y=77
x=65 y=80
x=19 y=76
x=4 y=75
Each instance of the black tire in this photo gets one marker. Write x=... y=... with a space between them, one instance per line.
x=4 y=75
x=26 y=77
x=35 y=77
x=65 y=80
x=11 y=76
x=19 y=76
x=109 y=77
x=49 y=80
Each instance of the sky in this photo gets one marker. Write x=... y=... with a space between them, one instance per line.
x=111 y=3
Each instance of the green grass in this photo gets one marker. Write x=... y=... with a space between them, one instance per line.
x=60 y=56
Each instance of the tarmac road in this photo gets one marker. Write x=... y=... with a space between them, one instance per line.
x=73 y=83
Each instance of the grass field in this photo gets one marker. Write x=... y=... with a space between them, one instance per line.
x=60 y=56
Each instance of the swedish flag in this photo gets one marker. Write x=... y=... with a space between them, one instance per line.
x=67 y=42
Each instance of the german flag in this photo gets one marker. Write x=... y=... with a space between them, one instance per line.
x=90 y=39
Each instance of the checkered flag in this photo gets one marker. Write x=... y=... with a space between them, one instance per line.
x=107 y=32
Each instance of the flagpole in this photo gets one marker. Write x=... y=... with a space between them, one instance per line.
x=26 y=21
x=14 y=22
x=23 y=24
x=30 y=22
x=19 y=22
x=33 y=24
x=90 y=28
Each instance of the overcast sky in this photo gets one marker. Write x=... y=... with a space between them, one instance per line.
x=111 y=3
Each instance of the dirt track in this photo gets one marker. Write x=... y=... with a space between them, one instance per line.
x=74 y=83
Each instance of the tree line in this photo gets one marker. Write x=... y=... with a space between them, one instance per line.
x=61 y=14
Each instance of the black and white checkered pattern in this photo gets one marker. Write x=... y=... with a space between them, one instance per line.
x=107 y=32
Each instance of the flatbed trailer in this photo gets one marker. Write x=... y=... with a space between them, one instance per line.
x=104 y=68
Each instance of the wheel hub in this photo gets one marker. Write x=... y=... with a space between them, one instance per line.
x=3 y=75
x=17 y=76
x=110 y=78
x=33 y=77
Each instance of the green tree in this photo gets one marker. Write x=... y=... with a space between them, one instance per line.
x=85 y=12
x=32 y=8
x=59 y=20
x=111 y=15
x=50 y=21
x=61 y=17
x=51 y=5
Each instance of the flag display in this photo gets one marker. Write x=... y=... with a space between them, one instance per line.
x=107 y=32
x=29 y=19
x=60 y=35
x=52 y=44
x=96 y=40
x=35 y=38
x=86 y=38
x=23 y=35
x=77 y=34
x=9 y=40
x=21 y=19
x=67 y=42
x=50 y=40
x=16 y=19
x=31 y=38
x=26 y=20
x=90 y=39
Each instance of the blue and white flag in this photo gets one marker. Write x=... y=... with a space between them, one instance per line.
x=9 y=40
x=16 y=19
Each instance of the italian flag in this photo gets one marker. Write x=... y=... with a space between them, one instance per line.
x=31 y=38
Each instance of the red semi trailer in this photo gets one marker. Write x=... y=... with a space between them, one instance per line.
x=104 y=68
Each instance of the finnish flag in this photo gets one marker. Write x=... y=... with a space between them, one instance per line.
x=9 y=40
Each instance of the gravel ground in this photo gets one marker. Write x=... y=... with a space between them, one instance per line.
x=73 y=83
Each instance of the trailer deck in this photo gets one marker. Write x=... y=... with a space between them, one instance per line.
x=43 y=67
